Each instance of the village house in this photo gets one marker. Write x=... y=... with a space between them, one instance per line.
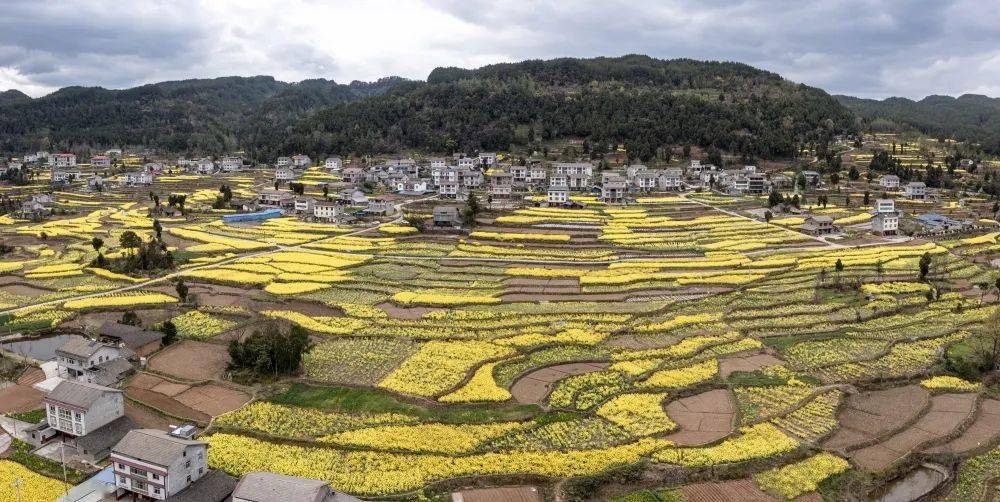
x=354 y=175
x=438 y=163
x=501 y=185
x=283 y=162
x=62 y=160
x=275 y=198
x=326 y=210
x=885 y=219
x=488 y=159
x=114 y=153
x=95 y=183
x=568 y=168
x=916 y=190
x=537 y=174
x=466 y=163
x=301 y=161
x=271 y=487
x=141 y=341
x=138 y=178
x=446 y=216
x=449 y=190
x=470 y=178
x=613 y=188
x=632 y=170
x=157 y=464
x=381 y=205
x=81 y=358
x=818 y=225
x=79 y=408
x=101 y=161
x=889 y=181
x=518 y=174
x=353 y=197
x=64 y=176
x=304 y=205
x=154 y=168
x=669 y=180
x=557 y=196
x=412 y=187
x=231 y=164
x=284 y=174
x=645 y=180
x=333 y=164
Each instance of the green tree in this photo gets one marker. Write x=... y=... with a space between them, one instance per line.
x=853 y=174
x=158 y=230
x=774 y=198
x=472 y=209
x=182 y=289
x=129 y=240
x=97 y=243
x=130 y=318
x=925 y=265
x=169 y=331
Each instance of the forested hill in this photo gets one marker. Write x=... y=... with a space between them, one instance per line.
x=970 y=117
x=199 y=116
x=642 y=102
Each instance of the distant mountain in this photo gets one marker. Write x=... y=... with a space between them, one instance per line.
x=13 y=96
x=970 y=117
x=208 y=115
x=642 y=102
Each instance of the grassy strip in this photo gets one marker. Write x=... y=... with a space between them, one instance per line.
x=361 y=400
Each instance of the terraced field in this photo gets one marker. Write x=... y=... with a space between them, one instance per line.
x=549 y=343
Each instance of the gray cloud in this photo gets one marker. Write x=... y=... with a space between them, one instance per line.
x=871 y=48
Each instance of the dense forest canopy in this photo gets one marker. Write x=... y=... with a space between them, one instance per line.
x=970 y=117
x=641 y=102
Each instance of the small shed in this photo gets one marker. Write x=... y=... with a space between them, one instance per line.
x=446 y=216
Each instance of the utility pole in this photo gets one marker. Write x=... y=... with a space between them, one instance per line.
x=62 y=459
x=17 y=487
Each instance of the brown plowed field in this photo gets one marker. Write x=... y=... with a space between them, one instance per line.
x=702 y=418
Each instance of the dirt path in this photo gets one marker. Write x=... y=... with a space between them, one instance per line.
x=534 y=387
x=702 y=418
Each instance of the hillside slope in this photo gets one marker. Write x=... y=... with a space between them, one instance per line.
x=970 y=117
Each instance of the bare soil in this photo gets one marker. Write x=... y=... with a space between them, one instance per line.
x=192 y=360
x=728 y=365
x=702 y=418
x=982 y=431
x=535 y=386
x=946 y=414
x=871 y=414
x=20 y=398
x=24 y=290
x=213 y=399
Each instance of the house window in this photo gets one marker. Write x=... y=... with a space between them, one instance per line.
x=156 y=477
x=121 y=466
x=201 y=470
x=189 y=478
x=187 y=465
x=156 y=491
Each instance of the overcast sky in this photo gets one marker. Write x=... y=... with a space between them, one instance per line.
x=867 y=48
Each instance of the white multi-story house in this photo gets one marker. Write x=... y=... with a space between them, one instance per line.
x=669 y=179
x=694 y=168
x=568 y=168
x=326 y=210
x=100 y=161
x=501 y=185
x=231 y=164
x=559 y=181
x=156 y=464
x=62 y=160
x=557 y=196
x=916 y=190
x=438 y=163
x=645 y=181
x=333 y=164
x=79 y=358
x=449 y=189
x=138 y=178
x=889 y=181
x=204 y=166
x=470 y=178
x=115 y=153
x=301 y=161
x=283 y=162
x=64 y=176
x=537 y=174
x=613 y=188
x=885 y=219
x=518 y=173
x=466 y=162
x=271 y=487
x=156 y=168
x=79 y=408
x=284 y=174
x=304 y=205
